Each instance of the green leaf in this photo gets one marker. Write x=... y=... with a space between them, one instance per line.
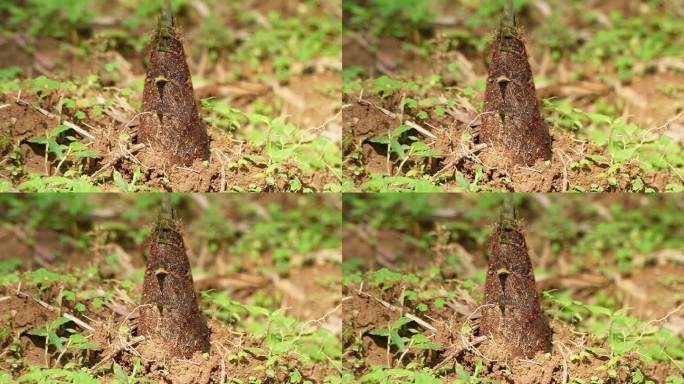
x=120 y=374
x=255 y=118
x=79 y=341
x=400 y=130
x=58 y=130
x=120 y=182
x=380 y=140
x=400 y=322
x=42 y=332
x=80 y=150
x=598 y=159
x=56 y=341
x=256 y=310
x=597 y=310
x=597 y=351
x=598 y=118
x=58 y=322
x=398 y=149
x=56 y=148
x=281 y=347
x=256 y=159
x=637 y=184
x=383 y=332
x=38 y=140
x=256 y=351
x=398 y=341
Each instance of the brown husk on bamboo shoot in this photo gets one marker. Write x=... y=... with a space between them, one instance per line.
x=170 y=312
x=512 y=317
x=512 y=123
x=170 y=123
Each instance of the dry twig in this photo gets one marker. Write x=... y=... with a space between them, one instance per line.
x=125 y=153
x=462 y=348
x=52 y=308
x=51 y=115
x=113 y=353
x=393 y=115
x=466 y=153
x=411 y=316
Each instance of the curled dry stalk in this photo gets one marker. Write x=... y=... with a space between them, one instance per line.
x=513 y=318
x=170 y=123
x=513 y=123
x=171 y=312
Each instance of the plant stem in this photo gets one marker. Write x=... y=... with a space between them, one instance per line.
x=166 y=27
x=166 y=19
x=509 y=15
x=508 y=215
x=166 y=212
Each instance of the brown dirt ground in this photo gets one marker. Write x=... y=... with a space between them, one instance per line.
x=383 y=248
x=363 y=122
x=23 y=122
x=306 y=103
x=309 y=291
x=21 y=313
x=363 y=312
x=644 y=103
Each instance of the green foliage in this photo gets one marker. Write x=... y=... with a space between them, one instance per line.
x=290 y=41
x=123 y=378
x=9 y=79
x=49 y=17
x=281 y=335
x=592 y=232
x=633 y=40
x=61 y=151
x=273 y=341
x=394 y=332
x=40 y=375
x=382 y=375
x=38 y=182
x=46 y=211
x=417 y=147
x=624 y=142
x=385 y=86
x=291 y=232
x=384 y=183
x=61 y=343
x=618 y=237
x=42 y=278
x=623 y=333
x=10 y=265
x=125 y=186
x=390 y=17
x=283 y=144
x=630 y=233
x=384 y=278
x=393 y=210
x=261 y=45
